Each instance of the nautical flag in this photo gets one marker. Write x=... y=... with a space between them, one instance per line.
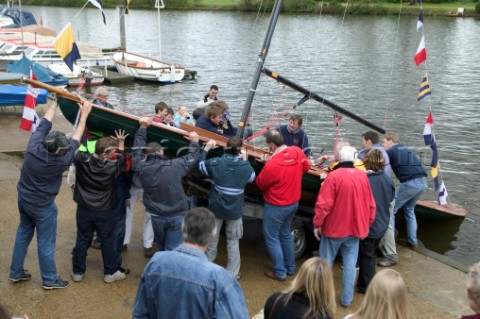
x=442 y=194
x=421 y=55
x=98 y=4
x=420 y=21
x=424 y=88
x=30 y=119
x=429 y=138
x=127 y=3
x=66 y=47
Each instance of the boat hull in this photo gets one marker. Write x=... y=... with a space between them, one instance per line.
x=175 y=143
x=147 y=69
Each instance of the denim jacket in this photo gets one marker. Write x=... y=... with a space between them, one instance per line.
x=183 y=284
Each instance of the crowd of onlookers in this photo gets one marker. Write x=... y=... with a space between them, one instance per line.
x=354 y=215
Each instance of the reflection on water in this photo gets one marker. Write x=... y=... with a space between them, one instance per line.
x=363 y=64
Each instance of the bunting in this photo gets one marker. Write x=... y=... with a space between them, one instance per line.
x=66 y=47
x=421 y=54
x=424 y=88
x=99 y=5
x=420 y=21
x=127 y=4
x=429 y=139
x=30 y=119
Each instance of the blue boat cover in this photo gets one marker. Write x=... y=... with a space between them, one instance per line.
x=20 y=17
x=42 y=73
x=11 y=95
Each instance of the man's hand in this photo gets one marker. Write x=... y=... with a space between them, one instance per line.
x=85 y=106
x=120 y=136
x=317 y=232
x=145 y=121
x=211 y=144
x=243 y=154
x=193 y=137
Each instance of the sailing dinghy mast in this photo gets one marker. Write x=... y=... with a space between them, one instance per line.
x=318 y=98
x=258 y=70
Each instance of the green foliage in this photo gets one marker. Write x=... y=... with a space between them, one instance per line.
x=477 y=7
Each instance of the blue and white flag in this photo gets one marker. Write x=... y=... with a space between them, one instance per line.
x=98 y=4
x=420 y=21
x=429 y=138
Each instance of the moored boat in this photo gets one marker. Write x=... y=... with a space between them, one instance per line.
x=80 y=76
x=147 y=69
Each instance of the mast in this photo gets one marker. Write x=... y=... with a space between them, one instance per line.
x=318 y=98
x=258 y=70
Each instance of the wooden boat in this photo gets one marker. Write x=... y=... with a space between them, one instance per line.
x=174 y=141
x=80 y=76
x=147 y=69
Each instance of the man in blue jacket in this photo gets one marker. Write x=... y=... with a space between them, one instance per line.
x=48 y=155
x=230 y=174
x=161 y=178
x=183 y=284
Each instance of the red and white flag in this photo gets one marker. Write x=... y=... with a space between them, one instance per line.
x=421 y=55
x=30 y=119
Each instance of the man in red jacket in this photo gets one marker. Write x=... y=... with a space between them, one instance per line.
x=344 y=212
x=281 y=181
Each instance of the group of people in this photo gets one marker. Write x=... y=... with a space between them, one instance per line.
x=354 y=216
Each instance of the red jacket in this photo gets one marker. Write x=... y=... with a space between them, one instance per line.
x=345 y=205
x=281 y=178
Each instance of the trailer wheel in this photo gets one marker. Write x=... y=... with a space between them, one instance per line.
x=298 y=236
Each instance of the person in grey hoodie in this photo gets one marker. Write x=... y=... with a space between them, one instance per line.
x=161 y=178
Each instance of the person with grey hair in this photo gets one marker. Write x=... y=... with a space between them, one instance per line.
x=48 y=155
x=182 y=283
x=473 y=291
x=101 y=97
x=344 y=212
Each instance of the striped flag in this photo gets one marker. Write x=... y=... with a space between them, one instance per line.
x=420 y=21
x=429 y=139
x=424 y=88
x=421 y=54
x=99 y=5
x=66 y=47
x=30 y=119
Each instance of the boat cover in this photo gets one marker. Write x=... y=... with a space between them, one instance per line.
x=42 y=73
x=19 y=17
x=11 y=95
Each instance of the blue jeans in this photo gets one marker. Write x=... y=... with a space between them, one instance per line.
x=168 y=231
x=348 y=247
x=120 y=210
x=103 y=223
x=44 y=221
x=277 y=221
x=406 y=197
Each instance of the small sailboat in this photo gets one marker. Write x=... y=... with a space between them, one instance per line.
x=147 y=69
x=80 y=76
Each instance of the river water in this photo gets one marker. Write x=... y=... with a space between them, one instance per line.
x=364 y=64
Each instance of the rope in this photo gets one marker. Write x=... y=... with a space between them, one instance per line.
x=385 y=116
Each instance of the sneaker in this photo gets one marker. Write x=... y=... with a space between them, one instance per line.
x=25 y=276
x=57 y=284
x=77 y=277
x=116 y=276
x=239 y=276
x=125 y=271
x=148 y=252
